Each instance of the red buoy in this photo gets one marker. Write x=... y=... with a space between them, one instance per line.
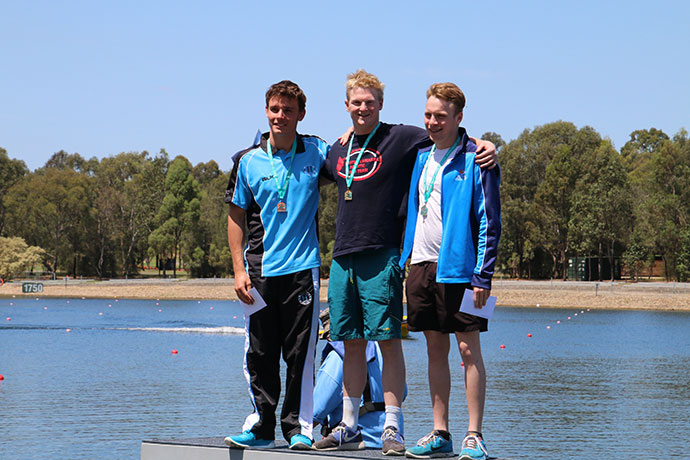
x=2 y=377
x=502 y=346
x=529 y=335
x=174 y=352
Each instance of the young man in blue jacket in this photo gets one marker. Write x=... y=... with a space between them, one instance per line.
x=452 y=232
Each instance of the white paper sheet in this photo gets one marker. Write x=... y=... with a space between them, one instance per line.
x=258 y=304
x=467 y=305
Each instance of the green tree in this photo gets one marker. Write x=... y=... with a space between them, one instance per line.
x=553 y=203
x=328 y=210
x=11 y=171
x=129 y=189
x=683 y=263
x=211 y=253
x=667 y=198
x=74 y=161
x=496 y=139
x=16 y=257
x=636 y=255
x=601 y=216
x=643 y=142
x=45 y=208
x=524 y=162
x=205 y=173
x=179 y=211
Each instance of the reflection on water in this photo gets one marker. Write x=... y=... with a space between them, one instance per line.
x=599 y=384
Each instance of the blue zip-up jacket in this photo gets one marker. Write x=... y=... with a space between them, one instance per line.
x=470 y=216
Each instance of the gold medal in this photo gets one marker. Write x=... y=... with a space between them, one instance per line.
x=282 y=207
x=348 y=195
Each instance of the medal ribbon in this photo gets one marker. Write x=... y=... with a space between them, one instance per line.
x=428 y=188
x=348 y=176
x=282 y=189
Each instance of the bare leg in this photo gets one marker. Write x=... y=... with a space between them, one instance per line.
x=438 y=346
x=354 y=368
x=475 y=377
x=393 y=372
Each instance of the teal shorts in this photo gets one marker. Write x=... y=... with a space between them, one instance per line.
x=365 y=296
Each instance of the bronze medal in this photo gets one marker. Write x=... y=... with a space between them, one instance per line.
x=348 y=195
x=282 y=207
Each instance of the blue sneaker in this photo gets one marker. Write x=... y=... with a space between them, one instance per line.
x=473 y=448
x=300 y=442
x=431 y=446
x=341 y=438
x=249 y=439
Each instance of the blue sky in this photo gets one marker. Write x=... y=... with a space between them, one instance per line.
x=103 y=77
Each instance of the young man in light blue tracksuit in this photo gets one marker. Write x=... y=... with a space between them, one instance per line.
x=452 y=232
x=273 y=193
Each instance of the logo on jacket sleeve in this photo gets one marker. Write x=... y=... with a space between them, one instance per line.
x=461 y=175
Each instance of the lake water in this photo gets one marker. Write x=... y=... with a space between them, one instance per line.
x=612 y=384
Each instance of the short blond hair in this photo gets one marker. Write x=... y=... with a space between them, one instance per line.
x=363 y=79
x=448 y=92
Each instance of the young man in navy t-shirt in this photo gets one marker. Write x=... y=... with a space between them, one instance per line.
x=372 y=172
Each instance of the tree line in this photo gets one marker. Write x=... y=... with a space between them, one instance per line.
x=565 y=191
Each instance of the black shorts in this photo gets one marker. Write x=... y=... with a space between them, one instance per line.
x=433 y=306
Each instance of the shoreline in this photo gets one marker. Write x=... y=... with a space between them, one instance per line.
x=543 y=294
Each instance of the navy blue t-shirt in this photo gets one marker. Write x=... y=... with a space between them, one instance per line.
x=375 y=217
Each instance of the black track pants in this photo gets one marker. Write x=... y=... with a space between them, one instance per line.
x=288 y=324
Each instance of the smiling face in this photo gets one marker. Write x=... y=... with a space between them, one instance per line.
x=283 y=115
x=363 y=106
x=441 y=120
